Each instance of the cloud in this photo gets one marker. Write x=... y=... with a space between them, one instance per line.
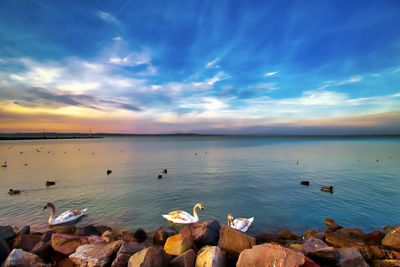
x=352 y=79
x=107 y=17
x=133 y=59
x=213 y=64
x=270 y=74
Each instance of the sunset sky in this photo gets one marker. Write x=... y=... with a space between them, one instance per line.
x=200 y=66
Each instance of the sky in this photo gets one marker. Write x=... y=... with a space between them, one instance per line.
x=209 y=66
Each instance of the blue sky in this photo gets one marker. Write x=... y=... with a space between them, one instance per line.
x=200 y=66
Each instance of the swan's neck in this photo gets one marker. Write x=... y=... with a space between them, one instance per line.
x=195 y=212
x=52 y=213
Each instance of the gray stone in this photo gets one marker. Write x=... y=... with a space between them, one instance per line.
x=125 y=252
x=18 y=258
x=6 y=232
x=350 y=257
x=95 y=255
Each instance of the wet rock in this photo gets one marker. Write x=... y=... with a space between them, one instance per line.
x=4 y=250
x=6 y=232
x=43 y=250
x=386 y=263
x=177 y=244
x=331 y=224
x=187 y=259
x=234 y=241
x=149 y=257
x=46 y=237
x=125 y=252
x=87 y=231
x=345 y=237
x=374 y=237
x=392 y=238
x=210 y=256
x=265 y=238
x=102 y=228
x=67 y=244
x=203 y=233
x=19 y=257
x=286 y=235
x=319 y=250
x=140 y=235
x=95 y=255
x=270 y=255
x=24 y=230
x=349 y=257
x=161 y=235
x=26 y=242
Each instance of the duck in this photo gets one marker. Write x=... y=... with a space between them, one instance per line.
x=50 y=183
x=4 y=165
x=69 y=216
x=159 y=176
x=306 y=183
x=14 y=192
x=241 y=224
x=327 y=189
x=165 y=171
x=182 y=217
x=109 y=172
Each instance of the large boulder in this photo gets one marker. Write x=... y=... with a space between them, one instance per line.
x=203 y=233
x=46 y=236
x=149 y=257
x=87 y=230
x=109 y=236
x=161 y=235
x=270 y=255
x=4 y=250
x=43 y=250
x=125 y=252
x=187 y=259
x=386 y=263
x=67 y=244
x=349 y=257
x=26 y=242
x=392 y=238
x=19 y=257
x=6 y=232
x=234 y=241
x=140 y=235
x=24 y=230
x=177 y=244
x=95 y=255
x=374 y=238
x=211 y=256
x=346 y=237
x=319 y=250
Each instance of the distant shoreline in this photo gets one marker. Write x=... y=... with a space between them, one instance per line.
x=2 y=138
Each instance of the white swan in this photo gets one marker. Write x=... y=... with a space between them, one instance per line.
x=182 y=217
x=241 y=224
x=65 y=217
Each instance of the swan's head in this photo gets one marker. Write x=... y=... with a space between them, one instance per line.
x=48 y=205
x=200 y=206
x=230 y=219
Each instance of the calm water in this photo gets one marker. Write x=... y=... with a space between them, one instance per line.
x=243 y=176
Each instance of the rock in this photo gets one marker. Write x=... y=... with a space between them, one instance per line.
x=67 y=244
x=140 y=235
x=210 y=256
x=203 y=233
x=295 y=246
x=349 y=257
x=270 y=255
x=26 y=242
x=234 y=241
x=372 y=253
x=177 y=244
x=18 y=258
x=102 y=228
x=331 y=224
x=108 y=236
x=46 y=237
x=87 y=230
x=94 y=239
x=309 y=263
x=345 y=237
x=148 y=257
x=265 y=238
x=24 y=230
x=95 y=255
x=4 y=250
x=394 y=255
x=125 y=252
x=6 y=232
x=65 y=263
x=317 y=249
x=187 y=259
x=64 y=229
x=43 y=250
x=374 y=238
x=309 y=234
x=392 y=238
x=161 y=235
x=286 y=235
x=386 y=263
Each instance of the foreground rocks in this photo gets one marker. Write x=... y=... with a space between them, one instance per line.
x=203 y=244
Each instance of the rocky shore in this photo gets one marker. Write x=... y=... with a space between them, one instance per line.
x=203 y=244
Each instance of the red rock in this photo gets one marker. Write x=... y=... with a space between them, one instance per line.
x=187 y=259
x=18 y=258
x=270 y=255
x=43 y=250
x=26 y=242
x=65 y=263
x=203 y=233
x=67 y=244
x=233 y=241
x=374 y=238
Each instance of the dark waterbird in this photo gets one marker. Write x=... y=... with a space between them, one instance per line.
x=165 y=171
x=306 y=183
x=4 y=165
x=328 y=189
x=50 y=183
x=159 y=176
x=109 y=172
x=14 y=192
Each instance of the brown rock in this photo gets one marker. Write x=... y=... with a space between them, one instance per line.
x=331 y=224
x=46 y=237
x=64 y=229
x=372 y=252
x=26 y=242
x=125 y=252
x=309 y=263
x=177 y=244
x=43 y=250
x=374 y=238
x=386 y=263
x=210 y=256
x=4 y=250
x=161 y=235
x=392 y=238
x=140 y=235
x=6 y=232
x=395 y=255
x=318 y=250
x=65 y=263
x=349 y=257
x=24 y=230
x=345 y=237
x=109 y=236
x=18 y=258
x=187 y=259
x=286 y=235
x=67 y=244
x=149 y=257
x=203 y=233
x=234 y=241
x=309 y=234
x=94 y=239
x=87 y=230
x=95 y=255
x=265 y=238
x=270 y=255
x=102 y=228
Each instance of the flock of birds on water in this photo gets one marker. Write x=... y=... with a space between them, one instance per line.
x=179 y=217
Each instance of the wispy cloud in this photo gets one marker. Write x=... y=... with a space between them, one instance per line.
x=213 y=64
x=107 y=17
x=270 y=74
x=133 y=59
x=352 y=79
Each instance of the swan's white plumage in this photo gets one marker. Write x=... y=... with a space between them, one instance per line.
x=242 y=224
x=183 y=217
x=65 y=217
